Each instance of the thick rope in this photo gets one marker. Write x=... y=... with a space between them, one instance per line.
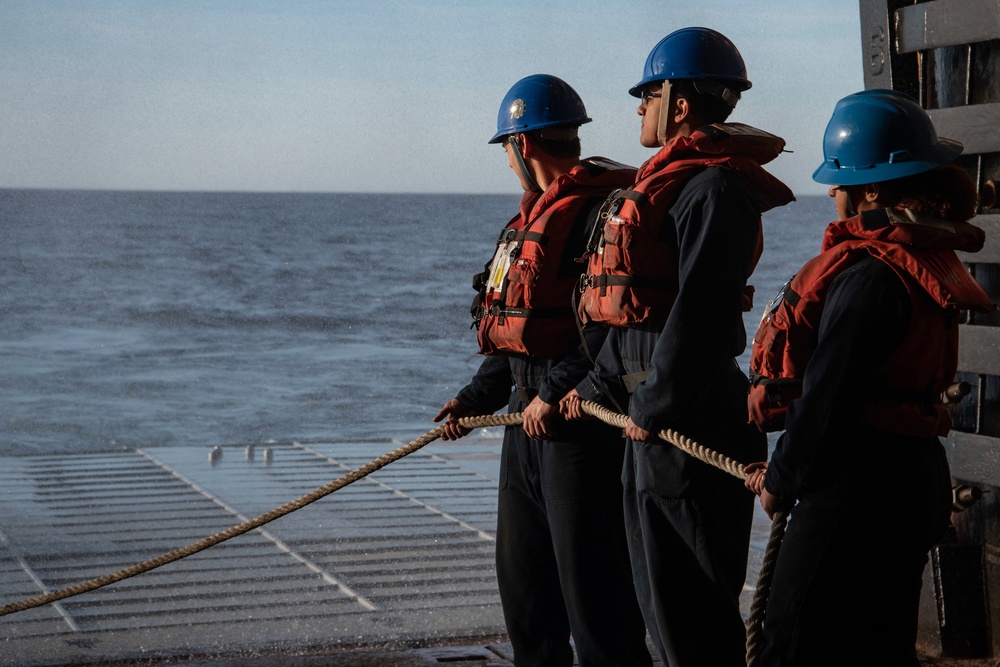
x=685 y=444
x=682 y=442
x=736 y=469
x=756 y=625
x=256 y=522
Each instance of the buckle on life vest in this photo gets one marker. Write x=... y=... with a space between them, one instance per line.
x=777 y=391
x=610 y=207
x=497 y=310
x=589 y=280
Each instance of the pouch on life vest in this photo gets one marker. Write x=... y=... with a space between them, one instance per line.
x=632 y=271
x=525 y=302
x=524 y=326
x=924 y=363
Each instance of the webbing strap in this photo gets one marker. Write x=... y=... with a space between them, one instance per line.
x=534 y=237
x=554 y=311
x=791 y=297
x=635 y=195
x=606 y=280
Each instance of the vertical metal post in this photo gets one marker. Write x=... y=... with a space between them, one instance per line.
x=884 y=67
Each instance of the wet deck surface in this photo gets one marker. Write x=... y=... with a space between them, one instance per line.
x=402 y=558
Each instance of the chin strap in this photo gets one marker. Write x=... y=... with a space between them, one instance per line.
x=525 y=172
x=705 y=87
x=661 y=123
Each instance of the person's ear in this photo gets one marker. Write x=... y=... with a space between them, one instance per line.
x=526 y=145
x=871 y=192
x=683 y=110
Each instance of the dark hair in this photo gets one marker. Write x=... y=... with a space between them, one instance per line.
x=709 y=107
x=558 y=148
x=947 y=192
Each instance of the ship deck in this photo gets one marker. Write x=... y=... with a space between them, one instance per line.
x=395 y=569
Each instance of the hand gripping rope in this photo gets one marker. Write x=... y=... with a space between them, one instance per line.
x=683 y=443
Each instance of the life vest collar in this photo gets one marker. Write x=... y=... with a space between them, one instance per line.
x=729 y=139
x=905 y=228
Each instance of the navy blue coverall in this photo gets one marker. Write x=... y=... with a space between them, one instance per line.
x=851 y=562
x=689 y=523
x=562 y=560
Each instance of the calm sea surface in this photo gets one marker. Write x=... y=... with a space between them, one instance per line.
x=135 y=319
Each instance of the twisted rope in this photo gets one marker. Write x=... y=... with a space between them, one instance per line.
x=736 y=469
x=756 y=624
x=680 y=441
x=256 y=522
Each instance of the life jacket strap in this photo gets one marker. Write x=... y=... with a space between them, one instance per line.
x=775 y=389
x=555 y=311
x=635 y=196
x=605 y=280
x=523 y=235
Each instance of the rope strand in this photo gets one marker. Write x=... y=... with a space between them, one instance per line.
x=256 y=522
x=680 y=441
x=756 y=624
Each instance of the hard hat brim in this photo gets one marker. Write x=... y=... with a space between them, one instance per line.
x=832 y=173
x=739 y=85
x=506 y=132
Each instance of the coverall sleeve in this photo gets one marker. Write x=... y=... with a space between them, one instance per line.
x=715 y=221
x=490 y=388
x=574 y=366
x=865 y=317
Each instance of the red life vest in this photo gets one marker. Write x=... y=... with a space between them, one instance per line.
x=525 y=303
x=632 y=271
x=924 y=363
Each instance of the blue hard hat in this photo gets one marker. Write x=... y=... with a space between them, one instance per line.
x=536 y=102
x=694 y=53
x=878 y=135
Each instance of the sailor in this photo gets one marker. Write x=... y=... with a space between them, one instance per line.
x=670 y=275
x=562 y=560
x=875 y=316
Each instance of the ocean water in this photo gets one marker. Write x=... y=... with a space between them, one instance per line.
x=137 y=319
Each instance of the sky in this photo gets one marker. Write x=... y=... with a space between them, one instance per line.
x=351 y=96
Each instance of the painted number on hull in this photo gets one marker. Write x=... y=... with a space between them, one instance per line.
x=877 y=52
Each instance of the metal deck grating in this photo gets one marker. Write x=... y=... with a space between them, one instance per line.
x=404 y=554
